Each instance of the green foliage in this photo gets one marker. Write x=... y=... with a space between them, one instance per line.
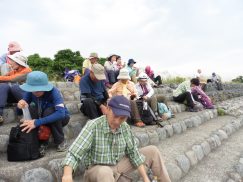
x=221 y=112
x=239 y=79
x=176 y=80
x=102 y=61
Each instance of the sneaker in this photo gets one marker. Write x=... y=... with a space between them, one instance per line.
x=1 y=120
x=62 y=147
x=140 y=124
x=42 y=149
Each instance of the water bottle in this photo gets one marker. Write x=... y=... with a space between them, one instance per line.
x=145 y=105
x=26 y=114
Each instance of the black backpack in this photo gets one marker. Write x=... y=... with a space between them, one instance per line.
x=146 y=115
x=23 y=146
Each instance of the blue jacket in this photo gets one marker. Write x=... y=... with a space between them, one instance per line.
x=49 y=99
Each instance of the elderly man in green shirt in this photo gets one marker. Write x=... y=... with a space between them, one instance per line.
x=107 y=148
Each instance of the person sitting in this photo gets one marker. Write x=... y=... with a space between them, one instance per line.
x=217 y=80
x=119 y=63
x=9 y=84
x=146 y=93
x=46 y=107
x=111 y=69
x=157 y=80
x=127 y=88
x=87 y=64
x=93 y=92
x=133 y=71
x=202 y=79
x=13 y=47
x=108 y=150
x=183 y=93
x=202 y=96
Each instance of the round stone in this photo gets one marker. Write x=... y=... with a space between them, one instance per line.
x=4 y=143
x=143 y=138
x=37 y=175
x=161 y=133
x=198 y=151
x=206 y=148
x=169 y=130
x=191 y=155
x=177 y=128
x=174 y=171
x=183 y=162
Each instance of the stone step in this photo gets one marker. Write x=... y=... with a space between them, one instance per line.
x=170 y=129
x=218 y=166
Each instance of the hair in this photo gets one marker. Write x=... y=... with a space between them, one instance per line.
x=118 y=57
x=109 y=58
x=195 y=81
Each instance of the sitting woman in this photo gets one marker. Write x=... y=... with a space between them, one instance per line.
x=9 y=84
x=183 y=93
x=127 y=88
x=202 y=96
x=46 y=107
x=146 y=93
x=156 y=79
x=111 y=69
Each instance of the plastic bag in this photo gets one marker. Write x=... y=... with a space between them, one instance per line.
x=26 y=113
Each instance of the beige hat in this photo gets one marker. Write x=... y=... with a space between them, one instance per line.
x=123 y=74
x=99 y=71
x=93 y=55
x=19 y=58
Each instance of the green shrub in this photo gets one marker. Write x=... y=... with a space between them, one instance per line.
x=221 y=112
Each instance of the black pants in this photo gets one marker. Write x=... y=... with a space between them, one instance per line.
x=186 y=96
x=56 y=127
x=158 y=80
x=90 y=108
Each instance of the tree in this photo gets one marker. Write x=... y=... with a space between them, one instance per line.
x=239 y=79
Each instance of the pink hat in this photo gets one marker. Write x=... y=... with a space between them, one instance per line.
x=14 y=46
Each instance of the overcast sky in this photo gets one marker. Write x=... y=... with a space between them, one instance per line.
x=177 y=36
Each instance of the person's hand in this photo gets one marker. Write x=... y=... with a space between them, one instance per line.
x=145 y=97
x=28 y=125
x=22 y=104
x=132 y=97
x=67 y=178
x=103 y=109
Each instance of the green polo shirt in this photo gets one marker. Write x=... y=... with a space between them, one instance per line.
x=98 y=145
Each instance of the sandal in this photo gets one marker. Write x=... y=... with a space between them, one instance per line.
x=140 y=124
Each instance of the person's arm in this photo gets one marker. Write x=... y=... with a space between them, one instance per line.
x=151 y=91
x=67 y=174
x=15 y=76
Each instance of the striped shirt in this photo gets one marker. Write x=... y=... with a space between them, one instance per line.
x=98 y=145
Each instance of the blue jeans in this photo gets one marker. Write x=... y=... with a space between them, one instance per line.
x=9 y=93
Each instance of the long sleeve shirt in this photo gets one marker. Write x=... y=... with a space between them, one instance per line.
x=140 y=90
x=53 y=99
x=97 y=144
x=15 y=75
x=182 y=88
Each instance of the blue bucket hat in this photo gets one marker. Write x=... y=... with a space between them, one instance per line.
x=120 y=106
x=36 y=81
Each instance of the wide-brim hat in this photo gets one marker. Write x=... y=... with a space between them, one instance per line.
x=93 y=55
x=124 y=74
x=19 y=58
x=36 y=81
x=99 y=71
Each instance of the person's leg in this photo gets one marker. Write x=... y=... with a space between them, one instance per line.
x=111 y=76
x=161 y=98
x=158 y=80
x=89 y=108
x=4 y=91
x=152 y=101
x=17 y=92
x=135 y=114
x=185 y=96
x=153 y=160
x=99 y=173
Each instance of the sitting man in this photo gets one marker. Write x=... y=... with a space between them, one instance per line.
x=46 y=107
x=108 y=149
x=9 y=84
x=93 y=93
x=87 y=64
x=146 y=93
x=183 y=93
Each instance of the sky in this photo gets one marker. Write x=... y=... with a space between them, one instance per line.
x=172 y=36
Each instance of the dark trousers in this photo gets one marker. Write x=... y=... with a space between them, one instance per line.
x=90 y=109
x=9 y=93
x=158 y=80
x=112 y=76
x=186 y=96
x=56 y=127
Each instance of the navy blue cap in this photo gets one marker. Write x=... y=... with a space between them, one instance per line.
x=130 y=61
x=120 y=106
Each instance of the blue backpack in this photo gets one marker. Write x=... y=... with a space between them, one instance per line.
x=163 y=109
